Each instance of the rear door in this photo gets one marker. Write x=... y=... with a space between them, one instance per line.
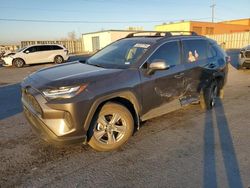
x=195 y=61
x=45 y=53
x=161 y=90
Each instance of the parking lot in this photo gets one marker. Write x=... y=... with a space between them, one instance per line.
x=186 y=148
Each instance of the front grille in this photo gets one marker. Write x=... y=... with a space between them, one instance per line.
x=31 y=101
x=247 y=54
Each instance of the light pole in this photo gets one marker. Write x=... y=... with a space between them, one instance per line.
x=213 y=6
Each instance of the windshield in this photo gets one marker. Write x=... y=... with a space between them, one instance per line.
x=120 y=54
x=20 y=49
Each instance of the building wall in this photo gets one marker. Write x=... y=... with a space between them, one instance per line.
x=181 y=26
x=218 y=28
x=11 y=48
x=238 y=22
x=204 y=28
x=118 y=35
x=73 y=46
x=232 y=40
x=105 y=38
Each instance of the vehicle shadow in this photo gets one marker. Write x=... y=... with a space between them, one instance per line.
x=10 y=100
x=226 y=143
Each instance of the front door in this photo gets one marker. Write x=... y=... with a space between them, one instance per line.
x=31 y=55
x=161 y=90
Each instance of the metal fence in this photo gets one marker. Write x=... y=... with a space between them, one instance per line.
x=74 y=47
x=232 y=40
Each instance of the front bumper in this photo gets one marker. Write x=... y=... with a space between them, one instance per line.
x=244 y=60
x=7 y=61
x=52 y=125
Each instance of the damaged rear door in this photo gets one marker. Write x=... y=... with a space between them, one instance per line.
x=162 y=90
x=198 y=68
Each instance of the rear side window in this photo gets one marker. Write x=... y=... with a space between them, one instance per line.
x=194 y=50
x=44 y=48
x=170 y=52
x=55 y=47
x=211 y=51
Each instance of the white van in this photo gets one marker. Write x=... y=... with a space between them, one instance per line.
x=42 y=53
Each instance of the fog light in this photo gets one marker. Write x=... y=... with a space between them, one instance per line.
x=68 y=119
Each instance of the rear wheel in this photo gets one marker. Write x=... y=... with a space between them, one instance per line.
x=208 y=96
x=112 y=128
x=18 y=62
x=58 y=59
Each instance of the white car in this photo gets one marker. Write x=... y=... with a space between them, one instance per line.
x=42 y=53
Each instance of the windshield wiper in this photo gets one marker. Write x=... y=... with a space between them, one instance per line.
x=93 y=64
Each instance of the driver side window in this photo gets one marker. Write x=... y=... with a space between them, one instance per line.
x=170 y=52
x=31 y=49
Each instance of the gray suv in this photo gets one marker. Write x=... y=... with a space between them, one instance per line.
x=103 y=100
x=244 y=57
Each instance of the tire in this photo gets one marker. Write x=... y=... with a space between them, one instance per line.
x=18 y=62
x=58 y=59
x=111 y=128
x=208 y=96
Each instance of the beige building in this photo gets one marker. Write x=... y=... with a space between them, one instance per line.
x=9 y=47
x=97 y=40
x=74 y=46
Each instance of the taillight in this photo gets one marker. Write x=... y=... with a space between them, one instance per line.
x=67 y=52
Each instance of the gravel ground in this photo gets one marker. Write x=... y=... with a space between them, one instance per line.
x=186 y=148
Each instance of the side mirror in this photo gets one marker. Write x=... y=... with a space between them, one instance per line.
x=158 y=64
x=27 y=51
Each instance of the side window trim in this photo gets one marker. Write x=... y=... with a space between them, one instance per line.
x=174 y=40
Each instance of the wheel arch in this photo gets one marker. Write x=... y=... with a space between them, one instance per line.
x=18 y=58
x=127 y=98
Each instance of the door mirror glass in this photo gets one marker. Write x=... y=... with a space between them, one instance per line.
x=158 y=64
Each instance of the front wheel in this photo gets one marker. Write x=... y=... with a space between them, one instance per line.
x=112 y=128
x=18 y=62
x=208 y=96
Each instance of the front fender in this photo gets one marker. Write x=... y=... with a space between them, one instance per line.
x=128 y=95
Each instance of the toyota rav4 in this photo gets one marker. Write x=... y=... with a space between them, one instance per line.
x=103 y=100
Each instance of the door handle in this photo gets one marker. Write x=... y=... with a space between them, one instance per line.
x=179 y=75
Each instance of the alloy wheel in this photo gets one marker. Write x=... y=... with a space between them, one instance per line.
x=110 y=128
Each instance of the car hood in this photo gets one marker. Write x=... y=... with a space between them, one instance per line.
x=9 y=54
x=73 y=73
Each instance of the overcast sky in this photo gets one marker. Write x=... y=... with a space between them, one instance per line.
x=95 y=15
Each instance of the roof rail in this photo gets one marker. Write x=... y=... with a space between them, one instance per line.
x=161 y=33
x=140 y=32
x=182 y=32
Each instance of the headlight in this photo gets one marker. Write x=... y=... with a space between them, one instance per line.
x=63 y=92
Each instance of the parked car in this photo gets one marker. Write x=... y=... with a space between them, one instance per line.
x=103 y=101
x=244 y=57
x=34 y=54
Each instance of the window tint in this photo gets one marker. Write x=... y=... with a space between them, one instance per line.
x=31 y=49
x=43 y=48
x=120 y=54
x=55 y=47
x=194 y=50
x=211 y=51
x=170 y=52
